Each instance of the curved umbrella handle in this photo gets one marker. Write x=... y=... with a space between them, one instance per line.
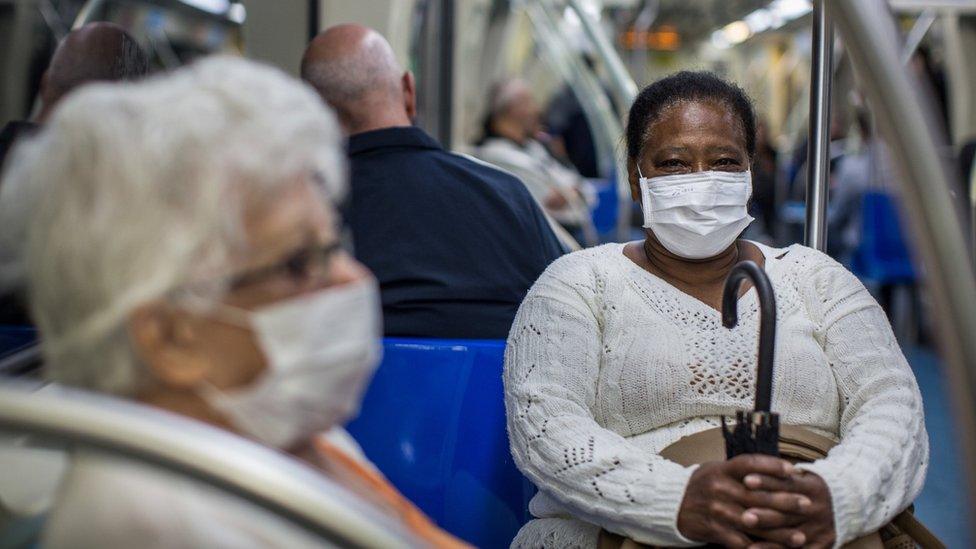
x=767 y=323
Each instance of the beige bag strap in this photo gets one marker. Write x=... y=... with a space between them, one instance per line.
x=907 y=523
x=796 y=443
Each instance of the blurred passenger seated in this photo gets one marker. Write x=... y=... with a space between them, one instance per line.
x=454 y=243
x=764 y=172
x=856 y=173
x=511 y=129
x=572 y=136
x=183 y=252
x=95 y=52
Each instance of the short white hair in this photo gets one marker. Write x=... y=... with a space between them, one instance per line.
x=138 y=189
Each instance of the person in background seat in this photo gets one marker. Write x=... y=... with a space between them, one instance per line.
x=511 y=131
x=96 y=52
x=183 y=252
x=454 y=243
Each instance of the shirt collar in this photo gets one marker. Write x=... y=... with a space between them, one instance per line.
x=399 y=136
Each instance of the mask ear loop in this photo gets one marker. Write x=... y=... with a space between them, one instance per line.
x=643 y=197
x=214 y=309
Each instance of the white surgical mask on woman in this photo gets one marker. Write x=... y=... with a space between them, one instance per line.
x=696 y=215
x=321 y=350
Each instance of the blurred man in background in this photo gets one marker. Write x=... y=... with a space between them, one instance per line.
x=96 y=52
x=511 y=130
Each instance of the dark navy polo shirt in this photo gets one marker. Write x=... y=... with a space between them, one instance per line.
x=455 y=244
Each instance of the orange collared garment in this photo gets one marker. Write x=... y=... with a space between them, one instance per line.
x=371 y=484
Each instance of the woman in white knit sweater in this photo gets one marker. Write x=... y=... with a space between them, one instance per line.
x=619 y=351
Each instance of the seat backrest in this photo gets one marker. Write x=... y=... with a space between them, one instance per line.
x=433 y=421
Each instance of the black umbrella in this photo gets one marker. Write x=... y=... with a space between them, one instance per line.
x=756 y=431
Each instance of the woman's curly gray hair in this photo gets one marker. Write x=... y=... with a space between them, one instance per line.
x=138 y=189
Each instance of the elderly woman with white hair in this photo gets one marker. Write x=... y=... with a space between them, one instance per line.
x=183 y=252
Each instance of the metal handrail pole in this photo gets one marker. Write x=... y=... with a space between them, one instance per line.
x=907 y=122
x=622 y=83
x=818 y=144
x=594 y=101
x=917 y=34
x=625 y=91
x=596 y=105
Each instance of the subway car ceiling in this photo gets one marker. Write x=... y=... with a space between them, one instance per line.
x=763 y=45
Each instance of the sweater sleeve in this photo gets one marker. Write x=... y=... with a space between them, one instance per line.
x=879 y=466
x=551 y=365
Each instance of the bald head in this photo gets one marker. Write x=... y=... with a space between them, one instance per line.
x=354 y=69
x=94 y=52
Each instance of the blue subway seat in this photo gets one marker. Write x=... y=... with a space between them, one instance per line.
x=14 y=339
x=433 y=421
x=605 y=213
x=882 y=256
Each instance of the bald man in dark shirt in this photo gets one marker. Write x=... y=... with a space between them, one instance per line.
x=454 y=243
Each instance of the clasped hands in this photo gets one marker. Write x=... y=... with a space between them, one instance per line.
x=756 y=502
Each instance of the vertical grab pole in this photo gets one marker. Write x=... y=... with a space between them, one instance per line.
x=313 y=19
x=818 y=144
x=445 y=82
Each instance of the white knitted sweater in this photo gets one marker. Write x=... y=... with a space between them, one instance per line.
x=607 y=365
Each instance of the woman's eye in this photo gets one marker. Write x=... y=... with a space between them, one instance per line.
x=727 y=162
x=299 y=266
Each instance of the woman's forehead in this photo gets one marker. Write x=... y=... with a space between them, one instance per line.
x=296 y=215
x=705 y=119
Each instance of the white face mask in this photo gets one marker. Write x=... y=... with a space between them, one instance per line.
x=696 y=215
x=321 y=351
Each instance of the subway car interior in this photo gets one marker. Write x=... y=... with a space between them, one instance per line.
x=451 y=273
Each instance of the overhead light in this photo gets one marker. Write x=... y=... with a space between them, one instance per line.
x=212 y=6
x=237 y=13
x=736 y=32
x=788 y=10
x=774 y=16
x=719 y=41
x=759 y=20
x=777 y=14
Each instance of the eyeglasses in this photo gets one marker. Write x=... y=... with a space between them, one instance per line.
x=299 y=267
